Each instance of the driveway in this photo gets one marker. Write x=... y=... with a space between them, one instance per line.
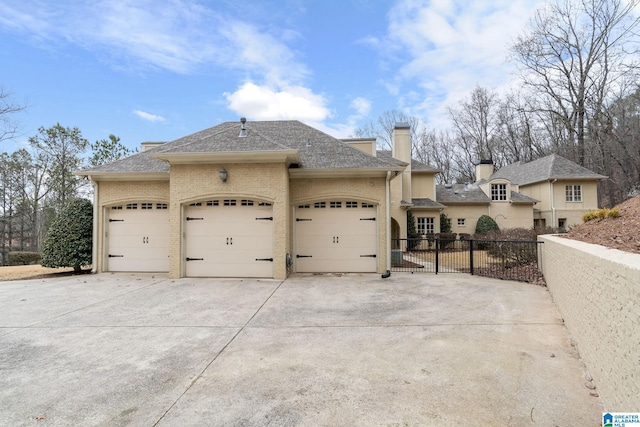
x=314 y=350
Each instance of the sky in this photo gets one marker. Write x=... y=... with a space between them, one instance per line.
x=157 y=70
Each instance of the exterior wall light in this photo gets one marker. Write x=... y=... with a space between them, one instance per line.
x=223 y=175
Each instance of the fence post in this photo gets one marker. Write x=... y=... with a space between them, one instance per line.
x=437 y=241
x=471 y=256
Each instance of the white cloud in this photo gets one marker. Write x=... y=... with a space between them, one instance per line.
x=362 y=106
x=153 y=118
x=446 y=48
x=277 y=103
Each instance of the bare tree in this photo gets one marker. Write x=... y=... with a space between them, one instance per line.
x=382 y=129
x=8 y=127
x=574 y=53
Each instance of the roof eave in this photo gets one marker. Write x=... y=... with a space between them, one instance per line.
x=341 y=172
x=265 y=156
x=125 y=176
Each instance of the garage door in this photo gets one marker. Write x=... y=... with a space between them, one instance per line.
x=138 y=237
x=336 y=236
x=229 y=238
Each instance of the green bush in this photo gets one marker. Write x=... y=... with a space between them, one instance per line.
x=413 y=238
x=69 y=239
x=445 y=223
x=24 y=258
x=485 y=224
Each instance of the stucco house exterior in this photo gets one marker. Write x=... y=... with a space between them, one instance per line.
x=265 y=198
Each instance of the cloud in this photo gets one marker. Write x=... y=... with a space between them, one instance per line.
x=443 y=49
x=178 y=35
x=362 y=106
x=264 y=102
x=153 y=118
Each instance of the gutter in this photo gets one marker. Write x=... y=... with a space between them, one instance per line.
x=94 y=236
x=388 y=233
x=553 y=205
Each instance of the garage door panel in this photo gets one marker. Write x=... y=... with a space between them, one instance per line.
x=336 y=239
x=138 y=239
x=227 y=240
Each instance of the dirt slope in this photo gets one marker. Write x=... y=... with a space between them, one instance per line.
x=619 y=233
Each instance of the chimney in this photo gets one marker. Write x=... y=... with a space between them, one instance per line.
x=484 y=170
x=401 y=150
x=243 y=129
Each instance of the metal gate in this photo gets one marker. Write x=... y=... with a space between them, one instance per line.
x=502 y=259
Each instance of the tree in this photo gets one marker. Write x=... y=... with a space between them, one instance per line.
x=8 y=127
x=382 y=129
x=575 y=52
x=485 y=224
x=62 y=148
x=69 y=240
x=108 y=150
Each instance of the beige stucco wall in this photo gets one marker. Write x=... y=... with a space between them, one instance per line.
x=118 y=192
x=547 y=192
x=423 y=185
x=470 y=213
x=397 y=212
x=511 y=215
x=264 y=182
x=372 y=190
x=596 y=291
x=368 y=145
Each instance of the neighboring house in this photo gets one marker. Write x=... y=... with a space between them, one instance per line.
x=260 y=199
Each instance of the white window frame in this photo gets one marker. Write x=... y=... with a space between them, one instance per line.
x=498 y=192
x=462 y=222
x=425 y=225
x=573 y=193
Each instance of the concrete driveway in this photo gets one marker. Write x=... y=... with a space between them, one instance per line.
x=144 y=350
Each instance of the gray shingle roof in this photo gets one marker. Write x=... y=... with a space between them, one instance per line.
x=316 y=149
x=521 y=198
x=416 y=166
x=461 y=193
x=544 y=169
x=426 y=203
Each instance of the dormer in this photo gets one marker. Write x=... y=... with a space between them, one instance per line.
x=498 y=190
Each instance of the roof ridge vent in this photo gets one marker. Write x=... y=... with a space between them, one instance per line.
x=243 y=129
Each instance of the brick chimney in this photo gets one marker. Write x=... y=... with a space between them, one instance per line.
x=401 y=150
x=484 y=170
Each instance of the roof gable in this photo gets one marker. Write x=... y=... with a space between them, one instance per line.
x=544 y=169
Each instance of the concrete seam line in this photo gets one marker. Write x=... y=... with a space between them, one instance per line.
x=92 y=304
x=215 y=357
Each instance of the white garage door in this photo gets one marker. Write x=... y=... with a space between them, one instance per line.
x=229 y=238
x=336 y=236
x=138 y=237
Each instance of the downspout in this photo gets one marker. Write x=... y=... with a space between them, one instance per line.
x=94 y=239
x=388 y=233
x=553 y=203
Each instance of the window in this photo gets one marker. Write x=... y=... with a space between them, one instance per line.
x=425 y=225
x=116 y=207
x=161 y=206
x=367 y=205
x=264 y=204
x=573 y=193
x=335 y=204
x=146 y=205
x=462 y=222
x=499 y=192
x=196 y=204
x=247 y=202
x=132 y=206
x=562 y=222
x=319 y=205
x=351 y=204
x=304 y=206
x=213 y=203
x=229 y=202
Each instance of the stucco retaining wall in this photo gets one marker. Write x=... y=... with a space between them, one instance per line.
x=597 y=291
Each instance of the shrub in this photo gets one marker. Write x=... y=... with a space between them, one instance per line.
x=601 y=214
x=445 y=223
x=68 y=241
x=24 y=258
x=446 y=239
x=413 y=238
x=485 y=224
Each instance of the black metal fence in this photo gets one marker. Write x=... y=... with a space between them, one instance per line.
x=502 y=259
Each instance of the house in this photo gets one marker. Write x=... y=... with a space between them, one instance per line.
x=264 y=198
x=244 y=199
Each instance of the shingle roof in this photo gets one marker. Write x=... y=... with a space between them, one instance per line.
x=461 y=193
x=426 y=203
x=316 y=149
x=543 y=169
x=416 y=166
x=521 y=198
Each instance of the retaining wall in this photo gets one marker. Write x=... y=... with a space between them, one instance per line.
x=597 y=291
